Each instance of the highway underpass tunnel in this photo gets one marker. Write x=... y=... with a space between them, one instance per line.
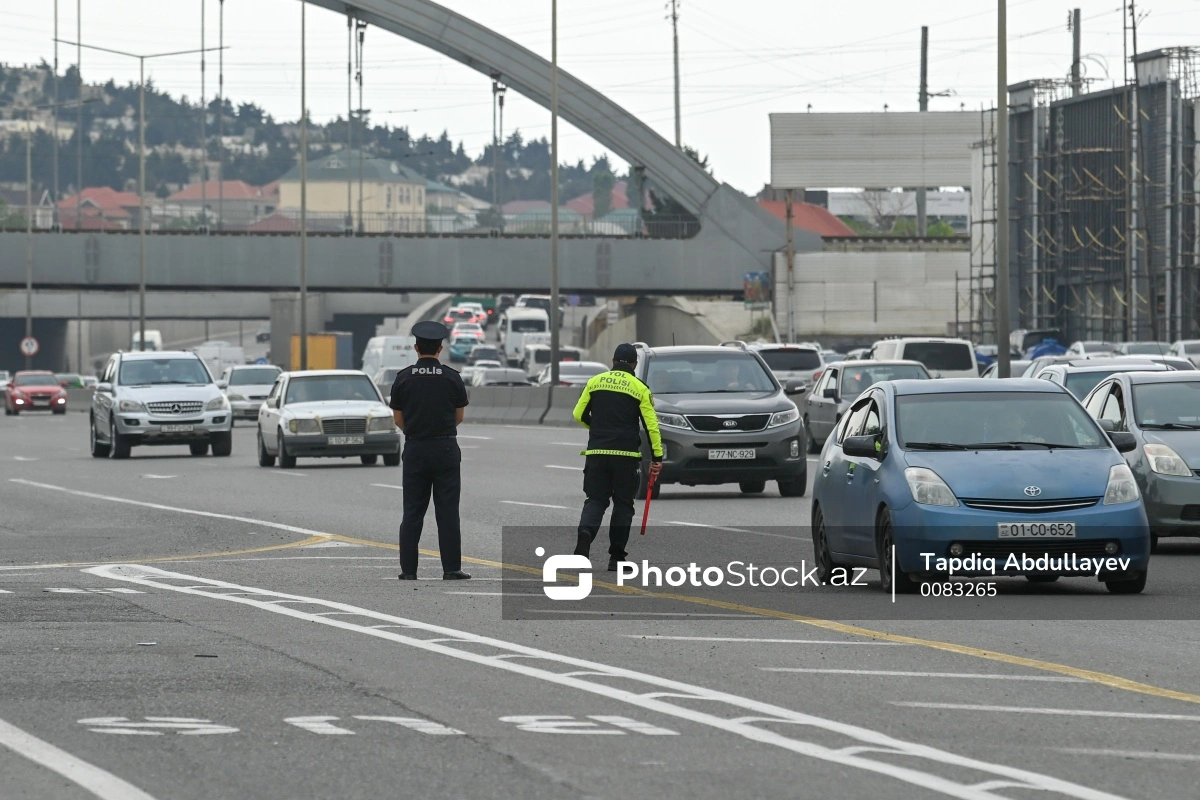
x=51 y=335
x=362 y=326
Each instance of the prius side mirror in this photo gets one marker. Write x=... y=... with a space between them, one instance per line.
x=862 y=446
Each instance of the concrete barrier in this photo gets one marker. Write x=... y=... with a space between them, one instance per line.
x=534 y=405
x=562 y=406
x=520 y=400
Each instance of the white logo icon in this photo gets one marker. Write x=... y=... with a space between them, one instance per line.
x=550 y=576
x=730 y=423
x=1033 y=491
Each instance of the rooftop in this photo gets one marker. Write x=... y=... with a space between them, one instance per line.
x=344 y=165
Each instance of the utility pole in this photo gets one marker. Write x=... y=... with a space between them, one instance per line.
x=349 y=121
x=791 y=269
x=675 y=38
x=362 y=34
x=554 y=310
x=54 y=196
x=1145 y=252
x=203 y=131
x=79 y=116
x=304 y=193
x=923 y=104
x=1003 y=365
x=500 y=153
x=1076 y=41
x=221 y=115
x=28 y=239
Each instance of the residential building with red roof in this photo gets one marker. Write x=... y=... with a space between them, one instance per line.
x=99 y=208
x=236 y=203
x=809 y=217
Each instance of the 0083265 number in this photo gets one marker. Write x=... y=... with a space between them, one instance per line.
x=958 y=589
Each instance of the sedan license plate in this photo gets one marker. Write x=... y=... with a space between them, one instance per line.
x=342 y=440
x=1036 y=530
x=37 y=402
x=728 y=455
x=176 y=428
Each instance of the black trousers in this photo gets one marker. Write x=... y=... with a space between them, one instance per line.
x=431 y=466
x=608 y=478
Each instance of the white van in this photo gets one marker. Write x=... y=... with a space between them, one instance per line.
x=388 y=351
x=944 y=358
x=154 y=340
x=517 y=323
x=537 y=357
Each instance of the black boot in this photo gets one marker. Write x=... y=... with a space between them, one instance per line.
x=583 y=545
x=456 y=575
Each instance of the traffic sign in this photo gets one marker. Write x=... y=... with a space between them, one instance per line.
x=29 y=346
x=260 y=360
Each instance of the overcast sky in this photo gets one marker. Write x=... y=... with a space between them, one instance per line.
x=741 y=60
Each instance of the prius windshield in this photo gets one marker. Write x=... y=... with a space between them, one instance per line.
x=994 y=421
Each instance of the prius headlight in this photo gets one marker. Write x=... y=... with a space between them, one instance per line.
x=217 y=404
x=1122 y=488
x=1166 y=461
x=928 y=488
x=380 y=424
x=673 y=421
x=784 y=417
x=302 y=426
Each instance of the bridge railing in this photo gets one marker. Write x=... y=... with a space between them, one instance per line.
x=239 y=218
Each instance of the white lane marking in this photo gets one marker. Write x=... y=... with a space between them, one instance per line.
x=93 y=591
x=160 y=507
x=697 y=615
x=734 y=530
x=464 y=436
x=330 y=543
x=417 y=724
x=654 y=637
x=560 y=724
x=560 y=466
x=388 y=486
x=160 y=477
x=1087 y=751
x=633 y=725
x=571 y=444
x=1060 y=712
x=287 y=474
x=5 y=591
x=855 y=756
x=322 y=725
x=102 y=784
x=905 y=674
x=155 y=726
x=535 y=505
x=23 y=458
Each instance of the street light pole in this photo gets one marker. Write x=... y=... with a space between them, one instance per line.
x=554 y=312
x=304 y=190
x=141 y=166
x=29 y=241
x=1003 y=367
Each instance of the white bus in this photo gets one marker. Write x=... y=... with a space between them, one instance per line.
x=516 y=324
x=388 y=351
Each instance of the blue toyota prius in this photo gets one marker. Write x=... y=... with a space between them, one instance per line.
x=978 y=477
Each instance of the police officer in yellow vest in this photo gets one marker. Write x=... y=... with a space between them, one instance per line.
x=614 y=405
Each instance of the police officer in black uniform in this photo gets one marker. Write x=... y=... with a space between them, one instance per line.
x=428 y=402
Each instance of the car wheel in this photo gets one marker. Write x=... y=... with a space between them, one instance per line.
x=820 y=536
x=265 y=459
x=813 y=445
x=1127 y=587
x=1154 y=543
x=119 y=445
x=391 y=459
x=885 y=540
x=368 y=460
x=795 y=487
x=199 y=448
x=1042 y=578
x=285 y=461
x=99 y=449
x=750 y=487
x=222 y=444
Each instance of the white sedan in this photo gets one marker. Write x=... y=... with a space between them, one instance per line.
x=333 y=413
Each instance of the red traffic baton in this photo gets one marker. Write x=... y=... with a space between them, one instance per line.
x=649 y=495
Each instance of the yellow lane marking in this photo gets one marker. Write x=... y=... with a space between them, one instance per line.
x=1102 y=678
x=151 y=560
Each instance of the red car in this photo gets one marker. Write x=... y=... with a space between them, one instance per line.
x=34 y=391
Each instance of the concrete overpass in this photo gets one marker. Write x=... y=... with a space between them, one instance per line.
x=735 y=236
x=93 y=305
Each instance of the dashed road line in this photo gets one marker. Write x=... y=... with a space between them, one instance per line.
x=907 y=674
x=723 y=528
x=535 y=505
x=654 y=637
x=1148 y=754
x=561 y=466
x=102 y=784
x=388 y=486
x=1056 y=712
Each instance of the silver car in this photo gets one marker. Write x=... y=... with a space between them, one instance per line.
x=839 y=386
x=158 y=398
x=247 y=387
x=329 y=413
